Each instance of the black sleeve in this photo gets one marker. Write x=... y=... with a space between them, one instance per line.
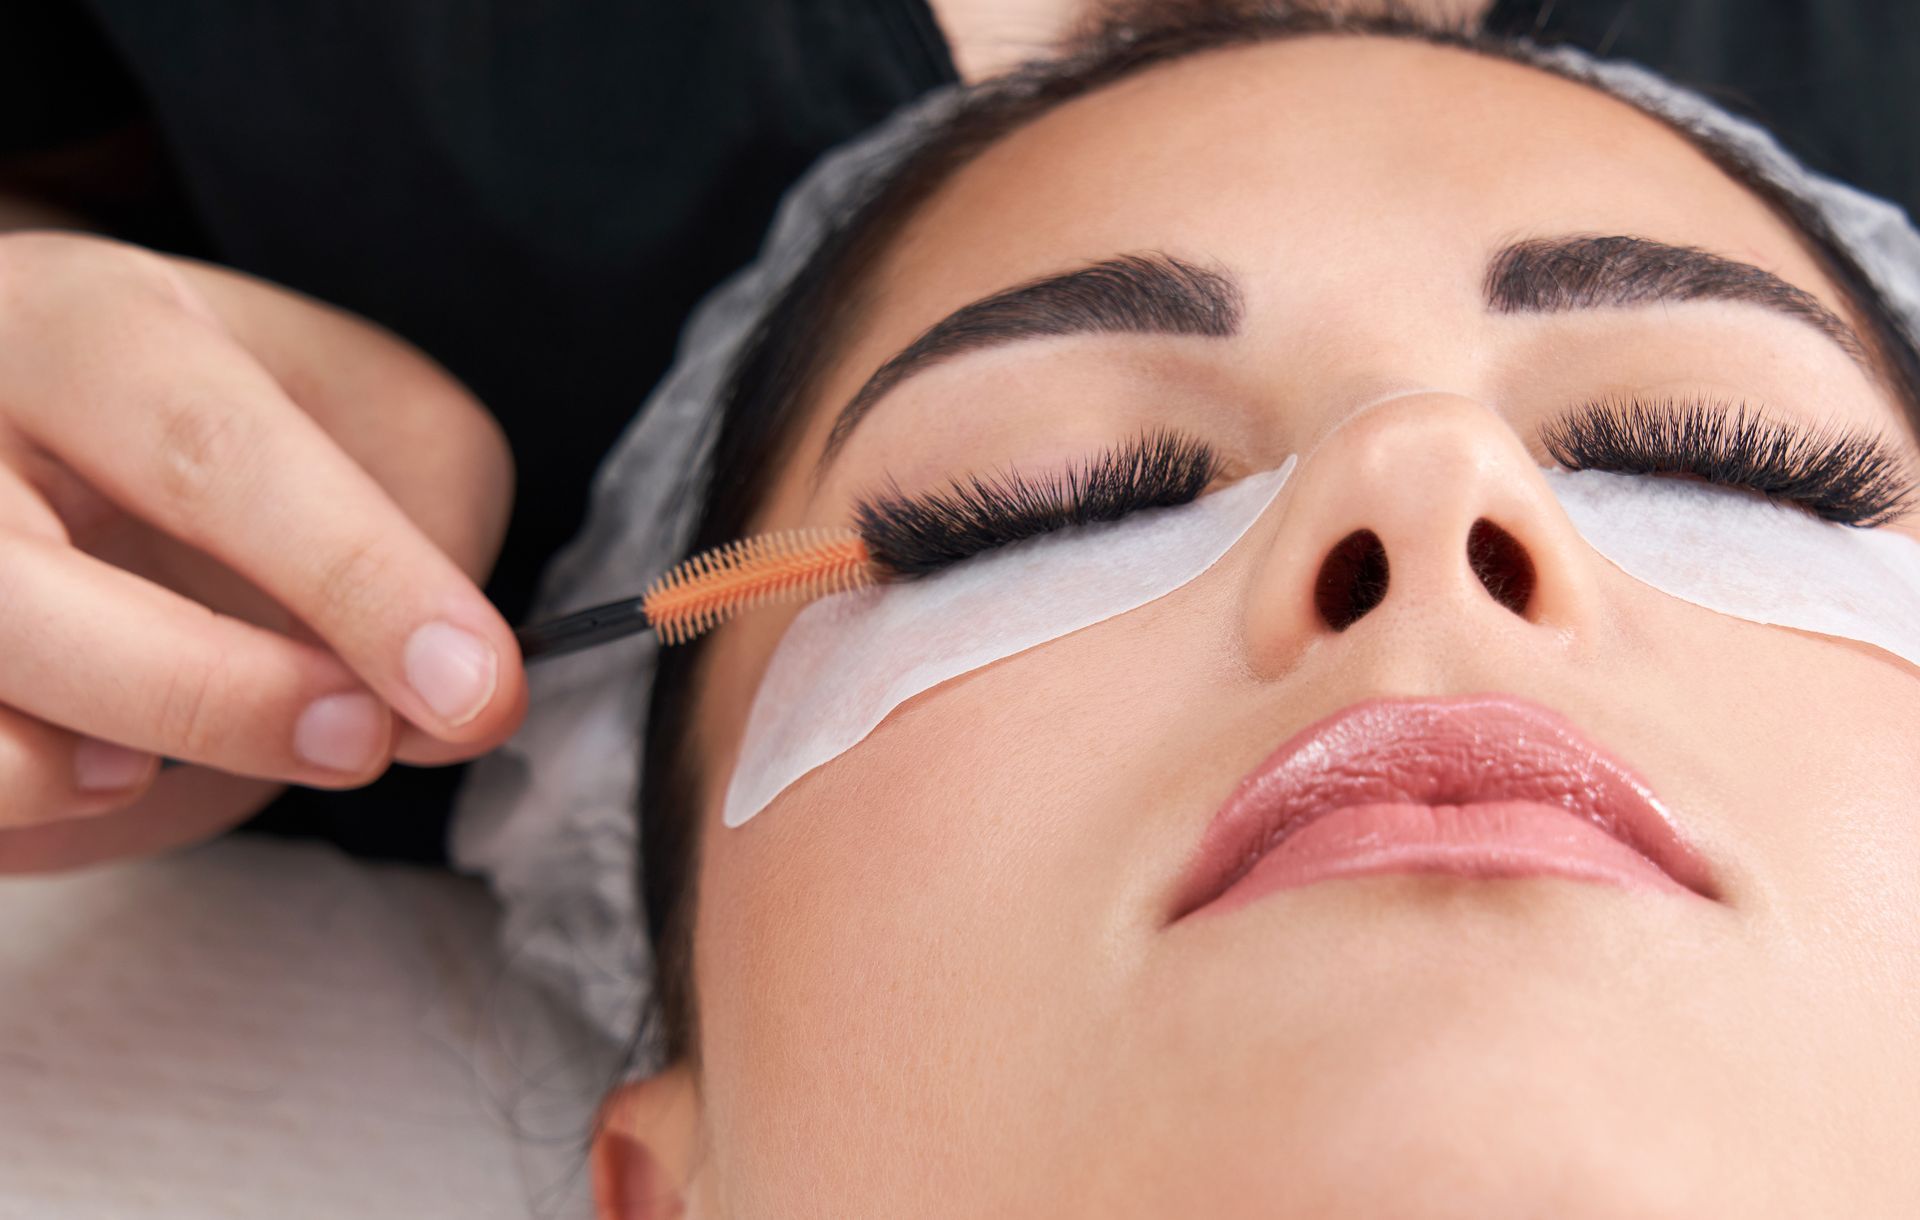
x=1833 y=79
x=60 y=80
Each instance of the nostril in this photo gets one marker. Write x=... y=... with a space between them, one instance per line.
x=1502 y=565
x=1353 y=579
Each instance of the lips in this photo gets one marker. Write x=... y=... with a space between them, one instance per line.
x=1486 y=785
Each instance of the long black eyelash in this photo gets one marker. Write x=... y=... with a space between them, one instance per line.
x=920 y=534
x=1853 y=478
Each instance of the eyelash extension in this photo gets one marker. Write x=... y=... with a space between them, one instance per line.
x=911 y=536
x=898 y=538
x=1852 y=478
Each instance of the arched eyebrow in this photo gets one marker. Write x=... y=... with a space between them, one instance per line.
x=1559 y=274
x=1156 y=294
x=1140 y=294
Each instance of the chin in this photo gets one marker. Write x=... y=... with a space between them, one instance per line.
x=1494 y=1148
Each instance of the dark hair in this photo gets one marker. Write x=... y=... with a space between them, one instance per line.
x=762 y=403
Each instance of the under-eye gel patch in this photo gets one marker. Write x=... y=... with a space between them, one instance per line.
x=1743 y=555
x=848 y=660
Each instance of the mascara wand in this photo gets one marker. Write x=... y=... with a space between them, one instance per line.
x=709 y=588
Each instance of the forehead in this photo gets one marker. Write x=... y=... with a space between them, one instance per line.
x=1333 y=173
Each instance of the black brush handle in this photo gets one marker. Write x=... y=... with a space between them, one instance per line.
x=582 y=629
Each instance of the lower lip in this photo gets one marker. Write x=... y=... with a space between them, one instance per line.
x=1490 y=839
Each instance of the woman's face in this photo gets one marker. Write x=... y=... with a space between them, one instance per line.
x=938 y=976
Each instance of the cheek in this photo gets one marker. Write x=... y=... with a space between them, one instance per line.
x=896 y=915
x=1802 y=753
x=1809 y=747
x=1833 y=761
x=1822 y=767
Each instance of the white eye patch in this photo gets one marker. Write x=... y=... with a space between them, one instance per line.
x=1743 y=555
x=849 y=660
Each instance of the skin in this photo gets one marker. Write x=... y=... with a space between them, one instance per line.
x=935 y=977
x=244 y=515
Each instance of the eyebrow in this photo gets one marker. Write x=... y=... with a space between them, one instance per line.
x=1156 y=294
x=1560 y=274
x=1139 y=294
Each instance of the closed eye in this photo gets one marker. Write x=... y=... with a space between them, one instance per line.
x=916 y=535
x=1854 y=478
x=1850 y=477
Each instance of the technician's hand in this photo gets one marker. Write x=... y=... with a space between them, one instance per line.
x=237 y=528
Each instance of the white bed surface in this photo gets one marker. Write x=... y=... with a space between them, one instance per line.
x=266 y=1028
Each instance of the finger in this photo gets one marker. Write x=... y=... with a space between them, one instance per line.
x=22 y=507
x=98 y=650
x=182 y=806
x=186 y=430
x=48 y=773
x=333 y=364
x=416 y=747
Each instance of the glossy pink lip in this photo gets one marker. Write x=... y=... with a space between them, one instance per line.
x=1474 y=784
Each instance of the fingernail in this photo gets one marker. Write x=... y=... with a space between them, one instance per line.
x=102 y=766
x=340 y=732
x=453 y=670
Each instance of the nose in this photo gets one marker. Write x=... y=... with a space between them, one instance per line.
x=1422 y=519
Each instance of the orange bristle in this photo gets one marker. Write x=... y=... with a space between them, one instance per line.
x=790 y=565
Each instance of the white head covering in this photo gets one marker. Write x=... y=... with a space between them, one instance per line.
x=550 y=817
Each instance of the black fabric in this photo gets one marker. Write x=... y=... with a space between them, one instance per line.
x=533 y=191
x=1834 y=79
x=59 y=84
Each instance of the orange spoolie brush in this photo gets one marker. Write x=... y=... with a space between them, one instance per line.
x=791 y=565
x=788 y=565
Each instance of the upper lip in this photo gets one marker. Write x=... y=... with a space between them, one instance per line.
x=1452 y=751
